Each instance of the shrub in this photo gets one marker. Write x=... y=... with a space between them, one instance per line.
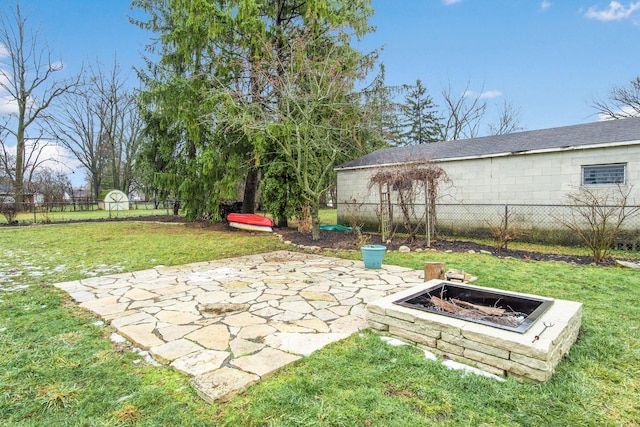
x=597 y=216
x=8 y=209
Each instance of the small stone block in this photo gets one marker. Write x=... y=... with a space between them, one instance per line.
x=414 y=337
x=530 y=373
x=167 y=353
x=473 y=345
x=373 y=308
x=449 y=348
x=531 y=362
x=223 y=384
x=401 y=314
x=141 y=335
x=381 y=327
x=266 y=362
x=200 y=362
x=487 y=359
x=480 y=365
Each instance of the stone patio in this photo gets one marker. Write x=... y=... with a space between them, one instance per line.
x=231 y=322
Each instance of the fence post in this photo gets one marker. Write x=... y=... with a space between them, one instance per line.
x=427 y=213
x=506 y=218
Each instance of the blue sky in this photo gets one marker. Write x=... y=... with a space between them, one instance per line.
x=549 y=59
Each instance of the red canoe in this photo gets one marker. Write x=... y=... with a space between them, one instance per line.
x=250 y=219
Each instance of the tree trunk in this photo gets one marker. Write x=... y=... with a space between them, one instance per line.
x=96 y=181
x=250 y=188
x=315 y=220
x=19 y=180
x=283 y=221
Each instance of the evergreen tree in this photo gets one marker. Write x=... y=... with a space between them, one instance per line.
x=420 y=121
x=382 y=113
x=208 y=50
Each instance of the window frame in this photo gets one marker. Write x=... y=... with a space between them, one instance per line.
x=595 y=172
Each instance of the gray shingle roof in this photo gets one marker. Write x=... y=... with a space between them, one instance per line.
x=604 y=132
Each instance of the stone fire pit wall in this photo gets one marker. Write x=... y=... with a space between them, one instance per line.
x=494 y=350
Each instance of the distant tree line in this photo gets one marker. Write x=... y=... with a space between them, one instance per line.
x=92 y=114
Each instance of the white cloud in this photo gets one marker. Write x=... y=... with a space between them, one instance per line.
x=4 y=52
x=489 y=94
x=450 y=2
x=615 y=12
x=4 y=78
x=545 y=5
x=55 y=156
x=56 y=65
x=8 y=105
x=61 y=159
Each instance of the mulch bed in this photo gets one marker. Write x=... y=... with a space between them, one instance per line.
x=345 y=240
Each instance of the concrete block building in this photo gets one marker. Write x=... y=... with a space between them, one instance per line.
x=537 y=167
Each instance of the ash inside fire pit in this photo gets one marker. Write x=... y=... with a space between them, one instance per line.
x=495 y=308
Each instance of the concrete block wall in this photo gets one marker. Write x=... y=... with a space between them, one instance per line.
x=534 y=179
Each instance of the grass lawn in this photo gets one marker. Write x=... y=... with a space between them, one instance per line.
x=59 y=366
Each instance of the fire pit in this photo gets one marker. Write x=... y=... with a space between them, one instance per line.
x=539 y=332
x=500 y=309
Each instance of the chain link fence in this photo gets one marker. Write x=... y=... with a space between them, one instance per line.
x=29 y=212
x=544 y=224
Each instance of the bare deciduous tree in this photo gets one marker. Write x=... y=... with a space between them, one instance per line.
x=51 y=185
x=597 y=216
x=80 y=131
x=506 y=231
x=119 y=117
x=623 y=102
x=508 y=120
x=28 y=78
x=8 y=208
x=462 y=114
x=33 y=157
x=100 y=125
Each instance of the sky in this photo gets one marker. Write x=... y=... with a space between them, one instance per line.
x=550 y=59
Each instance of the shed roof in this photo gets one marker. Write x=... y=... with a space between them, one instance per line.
x=555 y=139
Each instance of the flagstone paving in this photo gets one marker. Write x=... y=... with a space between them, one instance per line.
x=231 y=322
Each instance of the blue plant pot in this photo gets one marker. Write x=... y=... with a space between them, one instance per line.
x=372 y=256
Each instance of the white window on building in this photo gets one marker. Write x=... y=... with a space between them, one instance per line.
x=604 y=174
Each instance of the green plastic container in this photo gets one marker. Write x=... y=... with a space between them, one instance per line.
x=372 y=256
